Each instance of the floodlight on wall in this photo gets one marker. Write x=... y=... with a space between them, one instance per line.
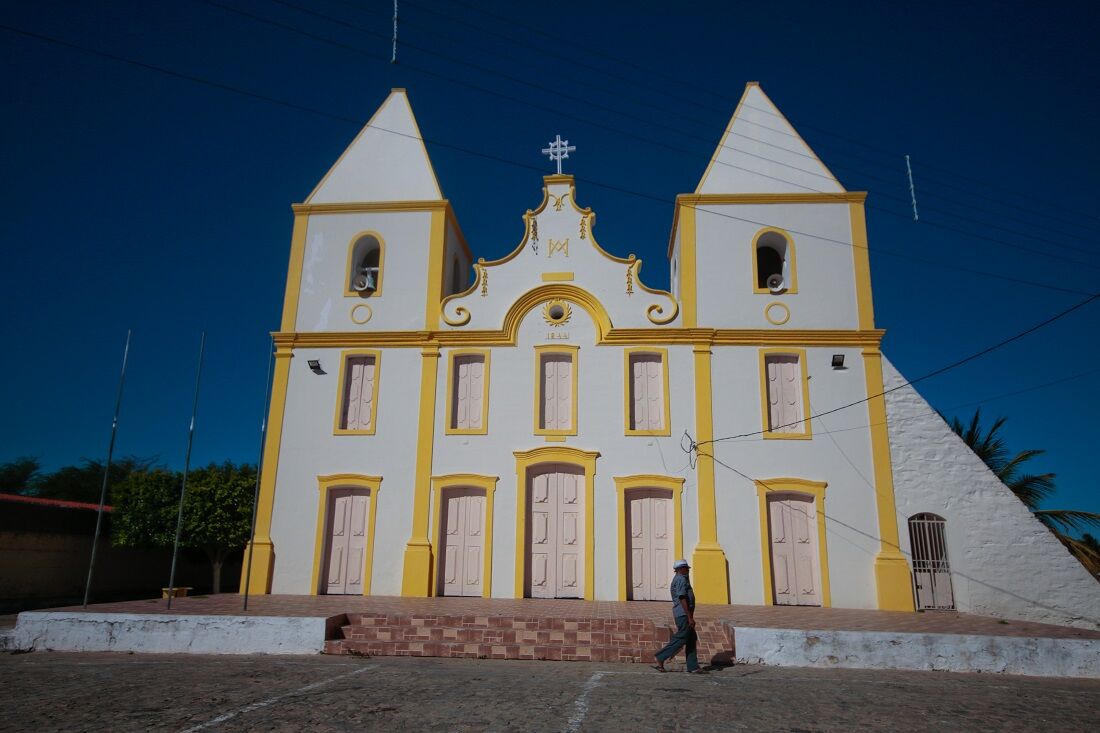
x=838 y=361
x=315 y=366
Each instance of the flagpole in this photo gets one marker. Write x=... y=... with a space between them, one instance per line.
x=186 y=467
x=259 y=469
x=107 y=469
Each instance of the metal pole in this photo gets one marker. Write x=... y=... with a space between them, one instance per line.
x=259 y=469
x=186 y=466
x=912 y=190
x=107 y=470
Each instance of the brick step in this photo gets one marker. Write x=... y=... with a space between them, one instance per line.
x=654 y=637
x=578 y=653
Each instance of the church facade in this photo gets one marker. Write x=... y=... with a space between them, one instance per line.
x=445 y=425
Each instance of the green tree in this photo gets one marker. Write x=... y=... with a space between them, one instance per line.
x=1031 y=488
x=217 y=511
x=18 y=476
x=84 y=482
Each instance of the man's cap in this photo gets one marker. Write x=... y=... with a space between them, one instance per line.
x=680 y=564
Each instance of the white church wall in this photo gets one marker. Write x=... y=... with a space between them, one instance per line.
x=825 y=277
x=838 y=453
x=1004 y=562
x=309 y=449
x=323 y=304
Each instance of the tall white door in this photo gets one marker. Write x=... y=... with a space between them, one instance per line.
x=555 y=518
x=796 y=573
x=463 y=542
x=347 y=541
x=649 y=557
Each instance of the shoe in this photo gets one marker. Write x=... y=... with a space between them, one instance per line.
x=698 y=671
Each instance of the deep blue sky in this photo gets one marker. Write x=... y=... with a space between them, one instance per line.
x=146 y=201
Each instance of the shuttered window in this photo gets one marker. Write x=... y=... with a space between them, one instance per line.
x=357 y=411
x=556 y=375
x=647 y=392
x=784 y=394
x=469 y=392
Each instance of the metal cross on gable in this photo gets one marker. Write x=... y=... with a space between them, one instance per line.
x=558 y=150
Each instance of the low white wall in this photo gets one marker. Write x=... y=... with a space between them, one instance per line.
x=168 y=633
x=1004 y=562
x=930 y=652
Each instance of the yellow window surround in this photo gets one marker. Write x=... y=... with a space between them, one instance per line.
x=628 y=396
x=788 y=261
x=806 y=432
x=488 y=484
x=779 y=486
x=349 y=274
x=452 y=373
x=626 y=484
x=344 y=481
x=345 y=357
x=541 y=352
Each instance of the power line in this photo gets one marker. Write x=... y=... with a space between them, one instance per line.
x=929 y=375
x=506 y=161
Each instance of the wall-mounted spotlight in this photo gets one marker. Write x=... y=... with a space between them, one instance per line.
x=838 y=361
x=315 y=366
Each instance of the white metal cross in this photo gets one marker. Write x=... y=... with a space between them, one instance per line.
x=558 y=150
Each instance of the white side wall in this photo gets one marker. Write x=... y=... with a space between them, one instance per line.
x=1003 y=561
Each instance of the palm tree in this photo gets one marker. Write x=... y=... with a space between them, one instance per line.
x=1030 y=488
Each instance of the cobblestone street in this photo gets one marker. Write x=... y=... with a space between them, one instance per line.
x=119 y=692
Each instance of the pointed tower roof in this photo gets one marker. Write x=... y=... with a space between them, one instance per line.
x=386 y=161
x=761 y=152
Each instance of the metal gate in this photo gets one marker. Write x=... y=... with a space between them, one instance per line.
x=931 y=571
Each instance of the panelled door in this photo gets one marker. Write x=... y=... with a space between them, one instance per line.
x=649 y=532
x=792 y=528
x=462 y=525
x=346 y=541
x=555 y=521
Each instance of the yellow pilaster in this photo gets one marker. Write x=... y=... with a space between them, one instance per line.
x=294 y=272
x=263 y=551
x=708 y=562
x=417 y=578
x=892 y=579
x=688 y=277
x=436 y=247
x=862 y=263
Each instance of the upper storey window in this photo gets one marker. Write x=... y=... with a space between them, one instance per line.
x=555 y=390
x=773 y=262
x=365 y=265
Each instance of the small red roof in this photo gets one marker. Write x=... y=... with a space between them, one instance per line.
x=63 y=503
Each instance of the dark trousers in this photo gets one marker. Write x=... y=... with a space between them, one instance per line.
x=684 y=637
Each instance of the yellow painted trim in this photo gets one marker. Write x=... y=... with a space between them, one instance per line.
x=416 y=577
x=893 y=580
x=261 y=547
x=807 y=432
x=448 y=428
x=344 y=481
x=488 y=484
x=558 y=349
x=708 y=559
x=791 y=268
x=370 y=123
x=613 y=336
x=436 y=245
x=689 y=298
x=625 y=484
x=861 y=260
x=294 y=272
x=655 y=312
x=816 y=489
x=628 y=382
x=526 y=460
x=782 y=308
x=342 y=388
x=348 y=291
x=556 y=291
x=548 y=277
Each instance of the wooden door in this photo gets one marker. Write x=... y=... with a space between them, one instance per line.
x=462 y=560
x=555 y=518
x=650 y=536
x=792 y=528
x=347 y=541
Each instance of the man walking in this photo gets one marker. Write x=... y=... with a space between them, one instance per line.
x=683 y=611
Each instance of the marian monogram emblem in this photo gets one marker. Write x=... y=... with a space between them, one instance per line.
x=558 y=246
